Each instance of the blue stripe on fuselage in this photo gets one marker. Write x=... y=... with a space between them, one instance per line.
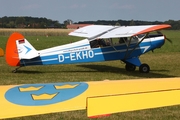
x=92 y=55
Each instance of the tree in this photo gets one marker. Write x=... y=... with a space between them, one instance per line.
x=43 y=25
x=20 y=21
x=11 y=24
x=57 y=24
x=68 y=22
x=132 y=23
x=117 y=24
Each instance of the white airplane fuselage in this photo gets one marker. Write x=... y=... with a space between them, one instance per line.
x=81 y=52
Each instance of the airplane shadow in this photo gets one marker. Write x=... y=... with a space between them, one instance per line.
x=118 y=70
x=29 y=72
x=109 y=69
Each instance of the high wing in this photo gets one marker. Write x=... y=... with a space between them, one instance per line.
x=91 y=30
x=105 y=31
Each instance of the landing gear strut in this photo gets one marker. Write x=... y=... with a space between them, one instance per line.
x=144 y=68
x=130 y=67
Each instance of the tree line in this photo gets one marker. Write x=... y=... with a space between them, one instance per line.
x=35 y=22
x=175 y=24
x=28 y=22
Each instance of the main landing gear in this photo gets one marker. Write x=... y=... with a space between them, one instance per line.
x=143 y=68
x=130 y=67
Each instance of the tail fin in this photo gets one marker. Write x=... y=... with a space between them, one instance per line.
x=18 y=48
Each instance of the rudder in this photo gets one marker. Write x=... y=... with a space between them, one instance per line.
x=11 y=55
x=18 y=48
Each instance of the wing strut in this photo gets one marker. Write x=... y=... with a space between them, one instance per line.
x=139 y=39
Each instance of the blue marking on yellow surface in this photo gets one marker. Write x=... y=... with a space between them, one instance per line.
x=14 y=95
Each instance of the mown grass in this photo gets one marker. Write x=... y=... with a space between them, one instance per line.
x=164 y=62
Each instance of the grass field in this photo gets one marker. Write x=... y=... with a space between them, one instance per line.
x=164 y=62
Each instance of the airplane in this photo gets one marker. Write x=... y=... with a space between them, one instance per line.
x=101 y=43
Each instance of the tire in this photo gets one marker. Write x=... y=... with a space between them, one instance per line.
x=144 y=68
x=130 y=67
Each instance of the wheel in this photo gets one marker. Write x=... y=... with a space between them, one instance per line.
x=144 y=68
x=130 y=67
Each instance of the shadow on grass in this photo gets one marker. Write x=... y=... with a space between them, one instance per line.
x=105 y=68
x=29 y=72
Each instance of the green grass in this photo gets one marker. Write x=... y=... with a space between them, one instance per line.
x=164 y=62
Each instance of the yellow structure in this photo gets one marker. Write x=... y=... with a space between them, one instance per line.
x=130 y=102
x=1 y=52
x=99 y=98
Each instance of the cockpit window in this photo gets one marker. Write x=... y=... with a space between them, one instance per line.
x=141 y=35
x=100 y=43
x=123 y=40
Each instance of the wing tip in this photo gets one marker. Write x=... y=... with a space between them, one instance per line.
x=154 y=28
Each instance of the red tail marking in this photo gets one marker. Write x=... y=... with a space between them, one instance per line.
x=12 y=57
x=21 y=41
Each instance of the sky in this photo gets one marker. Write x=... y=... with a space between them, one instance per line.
x=93 y=10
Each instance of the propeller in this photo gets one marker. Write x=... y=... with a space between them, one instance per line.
x=169 y=40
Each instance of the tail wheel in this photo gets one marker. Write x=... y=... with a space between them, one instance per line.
x=144 y=68
x=130 y=67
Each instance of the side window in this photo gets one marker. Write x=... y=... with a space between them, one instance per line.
x=123 y=40
x=109 y=42
x=94 y=44
x=100 y=43
x=135 y=39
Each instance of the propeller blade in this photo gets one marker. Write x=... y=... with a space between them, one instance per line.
x=169 y=40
